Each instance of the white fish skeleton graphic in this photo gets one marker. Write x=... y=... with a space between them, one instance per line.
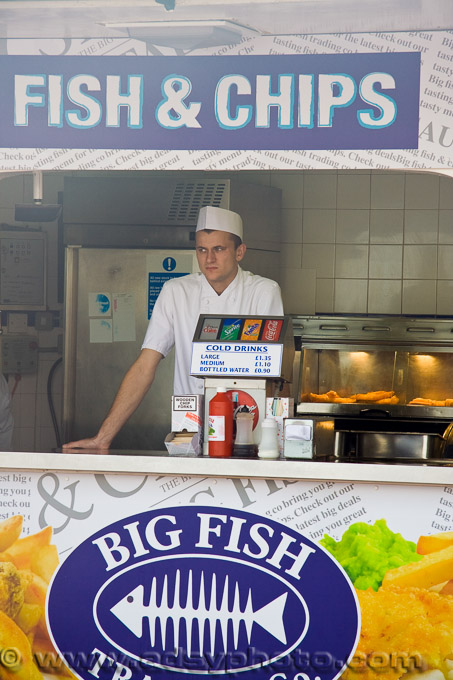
x=131 y=610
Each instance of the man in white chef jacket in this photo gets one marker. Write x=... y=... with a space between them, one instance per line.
x=221 y=287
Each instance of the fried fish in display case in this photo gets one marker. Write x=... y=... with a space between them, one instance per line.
x=387 y=363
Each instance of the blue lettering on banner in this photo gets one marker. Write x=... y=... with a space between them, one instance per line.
x=327 y=101
x=189 y=591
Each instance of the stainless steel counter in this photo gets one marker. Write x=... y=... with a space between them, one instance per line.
x=160 y=463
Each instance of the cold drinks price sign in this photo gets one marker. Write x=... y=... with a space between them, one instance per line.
x=241 y=359
x=333 y=101
x=241 y=346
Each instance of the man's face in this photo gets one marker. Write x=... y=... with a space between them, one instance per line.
x=218 y=258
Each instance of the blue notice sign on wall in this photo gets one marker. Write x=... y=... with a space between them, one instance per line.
x=155 y=283
x=327 y=101
x=191 y=591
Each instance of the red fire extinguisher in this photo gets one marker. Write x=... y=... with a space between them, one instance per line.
x=220 y=431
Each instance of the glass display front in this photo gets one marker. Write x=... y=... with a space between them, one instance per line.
x=384 y=376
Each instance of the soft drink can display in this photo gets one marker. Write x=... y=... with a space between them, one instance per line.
x=272 y=329
x=251 y=330
x=210 y=329
x=230 y=329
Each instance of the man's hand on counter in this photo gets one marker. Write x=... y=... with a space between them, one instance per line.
x=133 y=388
x=89 y=443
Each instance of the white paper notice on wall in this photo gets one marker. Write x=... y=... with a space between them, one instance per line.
x=123 y=317
x=99 y=304
x=101 y=330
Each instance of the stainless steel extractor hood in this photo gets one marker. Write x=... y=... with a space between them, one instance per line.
x=145 y=210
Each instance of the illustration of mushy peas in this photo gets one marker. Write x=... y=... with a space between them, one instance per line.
x=367 y=551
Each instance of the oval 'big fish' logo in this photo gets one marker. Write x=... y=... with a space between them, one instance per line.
x=202 y=590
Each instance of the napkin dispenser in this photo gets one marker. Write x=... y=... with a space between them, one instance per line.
x=298 y=438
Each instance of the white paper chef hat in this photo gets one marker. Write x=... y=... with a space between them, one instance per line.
x=220 y=219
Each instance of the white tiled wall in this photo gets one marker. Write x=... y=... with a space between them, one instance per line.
x=375 y=242
x=352 y=243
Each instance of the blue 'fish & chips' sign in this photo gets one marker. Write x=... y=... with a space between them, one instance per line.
x=341 y=101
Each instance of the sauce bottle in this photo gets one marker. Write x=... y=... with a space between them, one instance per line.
x=220 y=433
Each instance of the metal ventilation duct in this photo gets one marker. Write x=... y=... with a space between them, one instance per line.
x=189 y=197
x=136 y=211
x=140 y=200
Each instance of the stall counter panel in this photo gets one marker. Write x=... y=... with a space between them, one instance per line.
x=133 y=547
